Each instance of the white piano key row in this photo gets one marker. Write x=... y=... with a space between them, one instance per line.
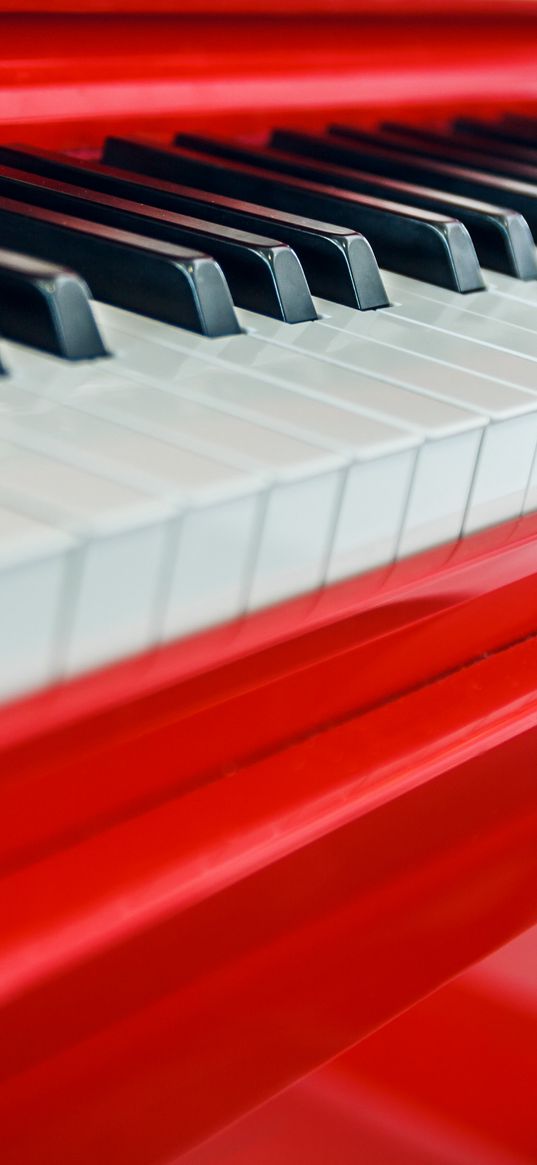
x=184 y=481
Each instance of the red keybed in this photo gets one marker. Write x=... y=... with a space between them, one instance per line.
x=226 y=862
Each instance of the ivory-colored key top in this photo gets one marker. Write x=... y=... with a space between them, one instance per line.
x=495 y=304
x=394 y=327
x=35 y=562
x=382 y=457
x=219 y=506
x=294 y=539
x=500 y=481
x=258 y=392
x=428 y=509
x=122 y=534
x=367 y=522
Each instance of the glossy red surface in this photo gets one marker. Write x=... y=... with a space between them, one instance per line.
x=170 y=973
x=450 y=1082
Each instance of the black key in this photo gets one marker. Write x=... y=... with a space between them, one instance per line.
x=470 y=150
x=476 y=183
x=493 y=165
x=521 y=126
x=262 y=274
x=502 y=238
x=48 y=307
x=427 y=246
x=497 y=131
x=388 y=130
x=157 y=279
x=340 y=153
x=338 y=264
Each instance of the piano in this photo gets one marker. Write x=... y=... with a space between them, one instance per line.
x=268 y=548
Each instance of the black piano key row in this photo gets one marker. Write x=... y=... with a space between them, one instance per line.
x=184 y=232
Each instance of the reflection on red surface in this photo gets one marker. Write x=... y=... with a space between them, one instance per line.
x=453 y=1081
x=166 y=974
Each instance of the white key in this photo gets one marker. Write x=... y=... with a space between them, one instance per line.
x=188 y=480
x=530 y=501
x=220 y=506
x=506 y=327
x=305 y=482
x=378 y=481
x=503 y=471
x=35 y=560
x=110 y=609
x=488 y=318
x=321 y=433
x=391 y=326
x=209 y=569
x=521 y=291
x=297 y=526
x=500 y=488
x=428 y=509
x=501 y=478
x=369 y=528
x=438 y=498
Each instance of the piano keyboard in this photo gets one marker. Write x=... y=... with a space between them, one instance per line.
x=224 y=426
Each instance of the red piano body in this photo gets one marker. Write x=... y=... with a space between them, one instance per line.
x=228 y=861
